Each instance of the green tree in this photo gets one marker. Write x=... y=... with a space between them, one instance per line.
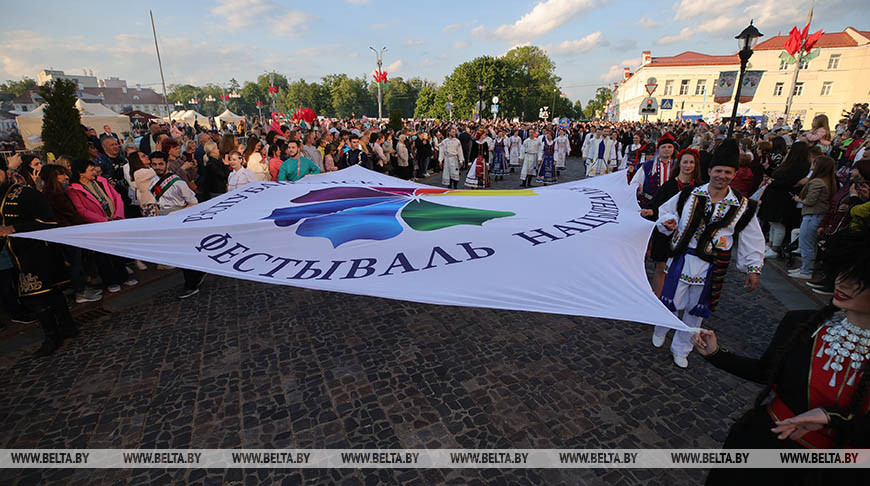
x=424 y=107
x=596 y=106
x=62 y=132
x=533 y=85
x=13 y=89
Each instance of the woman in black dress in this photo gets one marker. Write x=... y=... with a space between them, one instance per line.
x=816 y=369
x=688 y=175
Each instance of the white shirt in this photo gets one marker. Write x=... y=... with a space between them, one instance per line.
x=176 y=197
x=239 y=178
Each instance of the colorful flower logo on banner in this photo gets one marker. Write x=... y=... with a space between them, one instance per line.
x=343 y=214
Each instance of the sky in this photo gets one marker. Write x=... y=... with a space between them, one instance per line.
x=204 y=41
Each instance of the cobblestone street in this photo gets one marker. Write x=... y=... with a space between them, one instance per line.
x=250 y=365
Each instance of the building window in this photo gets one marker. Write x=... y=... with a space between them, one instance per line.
x=798 y=89
x=684 y=87
x=701 y=87
x=783 y=65
x=826 y=88
x=777 y=90
x=834 y=61
x=669 y=87
x=805 y=64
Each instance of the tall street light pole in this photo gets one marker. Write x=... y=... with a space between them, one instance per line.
x=746 y=41
x=379 y=56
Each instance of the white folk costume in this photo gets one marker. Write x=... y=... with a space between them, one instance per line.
x=478 y=172
x=529 y=153
x=701 y=246
x=615 y=156
x=563 y=148
x=591 y=140
x=513 y=144
x=451 y=156
x=598 y=157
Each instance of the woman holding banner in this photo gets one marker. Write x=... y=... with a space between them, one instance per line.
x=821 y=402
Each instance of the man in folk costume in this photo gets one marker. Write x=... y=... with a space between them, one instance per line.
x=513 y=150
x=650 y=175
x=39 y=264
x=563 y=148
x=704 y=223
x=499 y=167
x=478 y=174
x=546 y=155
x=451 y=158
x=615 y=153
x=529 y=155
x=592 y=139
x=599 y=155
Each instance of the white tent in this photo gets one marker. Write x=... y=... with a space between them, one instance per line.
x=228 y=117
x=190 y=116
x=746 y=110
x=93 y=115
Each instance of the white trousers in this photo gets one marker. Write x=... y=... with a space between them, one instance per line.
x=685 y=297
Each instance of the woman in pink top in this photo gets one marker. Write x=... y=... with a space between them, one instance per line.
x=276 y=151
x=92 y=195
x=820 y=134
x=97 y=201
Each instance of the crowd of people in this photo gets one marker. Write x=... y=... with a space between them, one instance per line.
x=762 y=192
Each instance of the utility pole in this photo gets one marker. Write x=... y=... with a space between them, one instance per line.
x=555 y=90
x=798 y=64
x=379 y=56
x=159 y=64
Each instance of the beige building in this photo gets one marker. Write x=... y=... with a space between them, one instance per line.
x=829 y=84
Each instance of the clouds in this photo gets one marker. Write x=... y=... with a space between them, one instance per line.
x=586 y=44
x=241 y=15
x=615 y=72
x=455 y=27
x=544 y=17
x=649 y=23
x=130 y=56
x=395 y=67
x=719 y=19
x=412 y=43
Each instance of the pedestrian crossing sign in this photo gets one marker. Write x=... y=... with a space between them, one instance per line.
x=667 y=104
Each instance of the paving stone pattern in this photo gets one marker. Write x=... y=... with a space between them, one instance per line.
x=249 y=365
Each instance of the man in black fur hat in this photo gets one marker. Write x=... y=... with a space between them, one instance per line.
x=704 y=222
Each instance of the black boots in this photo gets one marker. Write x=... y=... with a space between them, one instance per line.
x=51 y=339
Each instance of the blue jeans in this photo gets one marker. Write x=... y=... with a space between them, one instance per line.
x=807 y=241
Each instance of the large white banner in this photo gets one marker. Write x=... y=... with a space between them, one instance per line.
x=574 y=248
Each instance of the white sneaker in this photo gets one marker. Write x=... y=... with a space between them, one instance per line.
x=131 y=282
x=794 y=271
x=658 y=340
x=129 y=270
x=801 y=276
x=113 y=288
x=87 y=296
x=770 y=253
x=681 y=361
x=140 y=265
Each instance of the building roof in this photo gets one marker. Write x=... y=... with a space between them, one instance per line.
x=26 y=97
x=828 y=40
x=690 y=58
x=125 y=96
x=106 y=96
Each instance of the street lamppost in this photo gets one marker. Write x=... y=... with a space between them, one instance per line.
x=379 y=56
x=745 y=41
x=480 y=88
